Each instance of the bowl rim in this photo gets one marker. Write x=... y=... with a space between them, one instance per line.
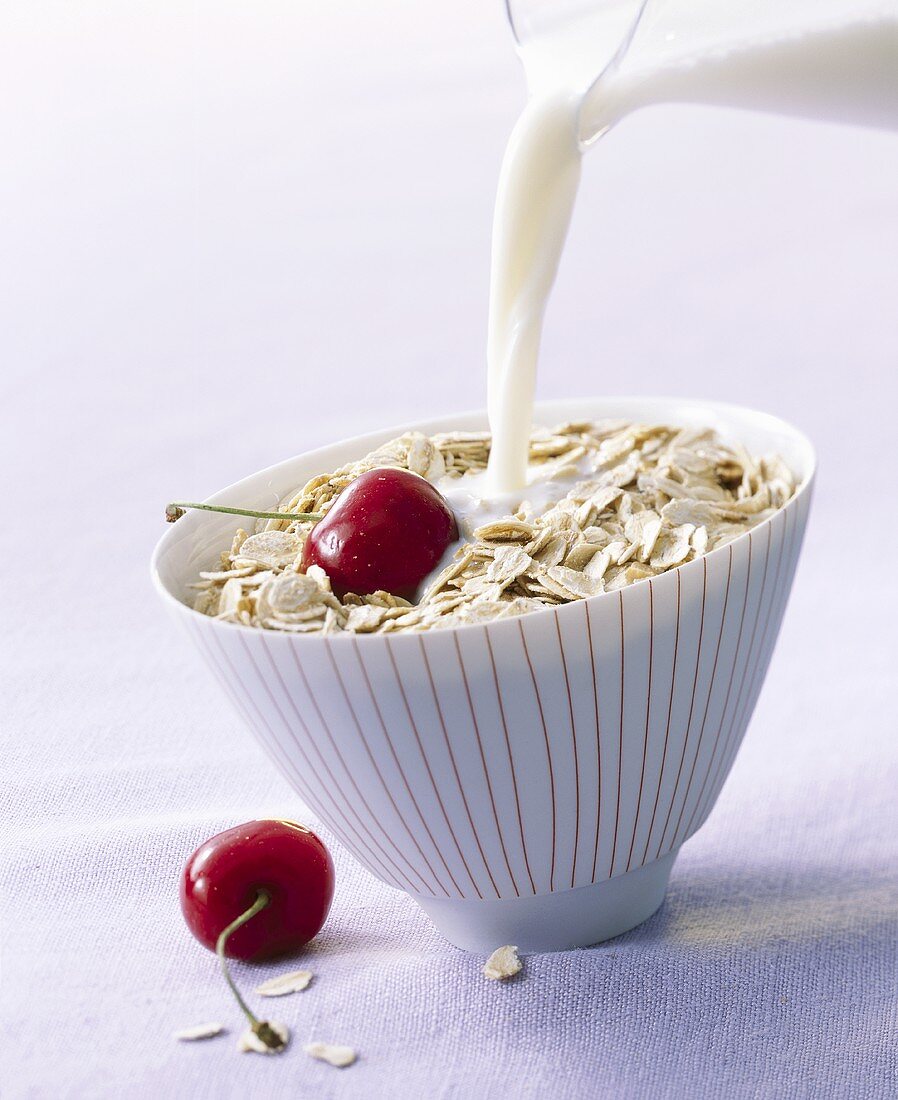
x=368 y=440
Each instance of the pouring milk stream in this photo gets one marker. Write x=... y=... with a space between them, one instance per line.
x=590 y=64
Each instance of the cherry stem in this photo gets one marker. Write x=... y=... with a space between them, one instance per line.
x=175 y=510
x=257 y=906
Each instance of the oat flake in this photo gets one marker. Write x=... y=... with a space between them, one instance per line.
x=650 y=497
x=201 y=1031
x=503 y=963
x=294 y=982
x=249 y=1041
x=332 y=1053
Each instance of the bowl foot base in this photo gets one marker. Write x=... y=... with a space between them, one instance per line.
x=554 y=922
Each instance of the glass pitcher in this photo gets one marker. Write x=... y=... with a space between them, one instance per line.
x=828 y=59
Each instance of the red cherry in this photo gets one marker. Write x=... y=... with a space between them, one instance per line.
x=226 y=875
x=386 y=531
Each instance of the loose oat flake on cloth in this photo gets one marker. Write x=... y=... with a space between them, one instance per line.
x=633 y=501
x=201 y=1031
x=332 y=1053
x=250 y=1041
x=502 y=964
x=294 y=982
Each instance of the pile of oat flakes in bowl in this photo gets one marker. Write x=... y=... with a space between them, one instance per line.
x=634 y=500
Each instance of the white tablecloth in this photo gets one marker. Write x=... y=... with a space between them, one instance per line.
x=233 y=232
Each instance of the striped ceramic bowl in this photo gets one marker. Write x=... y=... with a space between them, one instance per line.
x=528 y=781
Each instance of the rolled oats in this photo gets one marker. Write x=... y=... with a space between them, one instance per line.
x=638 y=500
x=294 y=982
x=272 y=548
x=201 y=1031
x=502 y=964
x=332 y=1053
x=249 y=1042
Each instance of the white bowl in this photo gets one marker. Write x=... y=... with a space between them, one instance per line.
x=528 y=781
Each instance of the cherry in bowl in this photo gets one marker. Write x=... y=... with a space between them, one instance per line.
x=386 y=531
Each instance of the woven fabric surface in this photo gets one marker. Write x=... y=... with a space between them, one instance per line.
x=204 y=275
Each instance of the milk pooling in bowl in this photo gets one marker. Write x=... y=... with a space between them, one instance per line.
x=590 y=64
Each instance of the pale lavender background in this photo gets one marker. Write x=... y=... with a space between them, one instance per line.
x=201 y=275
